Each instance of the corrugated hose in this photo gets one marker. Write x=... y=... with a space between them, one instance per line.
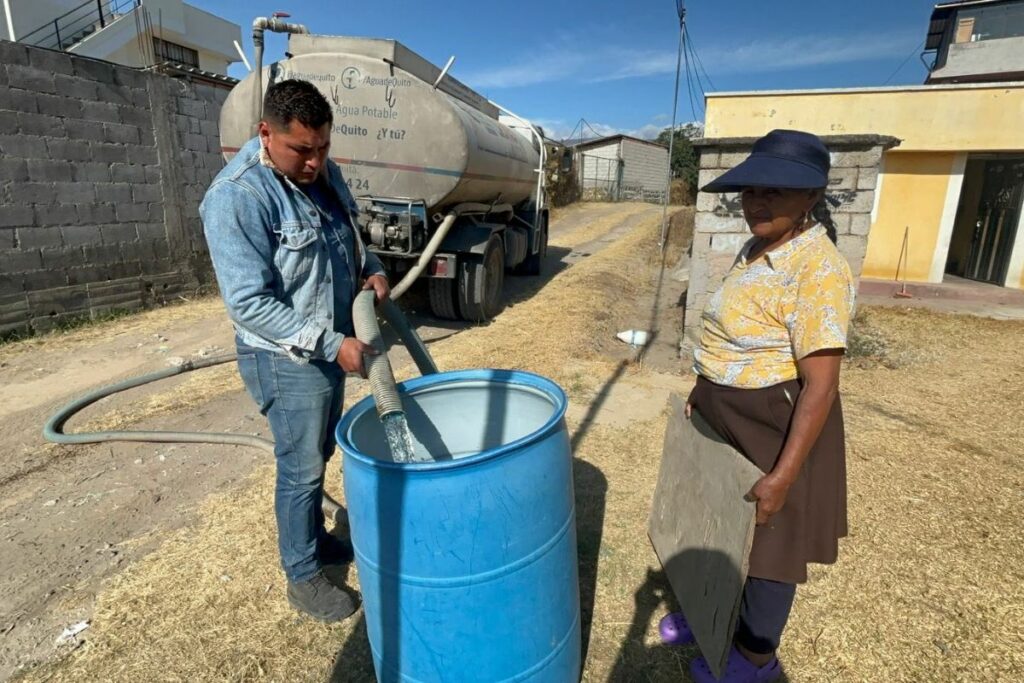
x=384 y=391
x=378 y=368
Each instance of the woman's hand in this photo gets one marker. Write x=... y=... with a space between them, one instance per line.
x=689 y=403
x=820 y=374
x=770 y=492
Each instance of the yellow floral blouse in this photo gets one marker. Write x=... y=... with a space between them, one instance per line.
x=767 y=314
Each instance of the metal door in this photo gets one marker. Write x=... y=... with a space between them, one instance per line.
x=998 y=213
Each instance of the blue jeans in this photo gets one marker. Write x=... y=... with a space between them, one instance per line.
x=303 y=405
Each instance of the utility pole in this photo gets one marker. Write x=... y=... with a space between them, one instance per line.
x=681 y=11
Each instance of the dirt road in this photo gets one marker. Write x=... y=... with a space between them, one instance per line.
x=72 y=516
x=928 y=586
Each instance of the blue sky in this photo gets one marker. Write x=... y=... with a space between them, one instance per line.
x=613 y=62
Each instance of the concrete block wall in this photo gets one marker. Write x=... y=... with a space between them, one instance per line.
x=644 y=171
x=720 y=231
x=196 y=115
x=102 y=168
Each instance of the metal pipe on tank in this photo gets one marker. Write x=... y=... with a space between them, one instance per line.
x=257 y=41
x=10 y=21
x=428 y=253
x=259 y=25
x=444 y=71
x=542 y=150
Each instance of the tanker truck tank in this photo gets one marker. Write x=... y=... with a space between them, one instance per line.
x=416 y=147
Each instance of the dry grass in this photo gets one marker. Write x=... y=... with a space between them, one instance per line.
x=595 y=229
x=174 y=615
x=929 y=586
x=194 y=390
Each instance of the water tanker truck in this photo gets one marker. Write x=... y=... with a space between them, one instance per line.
x=450 y=186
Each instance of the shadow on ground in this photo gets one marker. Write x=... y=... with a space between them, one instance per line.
x=639 y=661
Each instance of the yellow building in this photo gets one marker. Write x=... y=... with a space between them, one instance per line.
x=955 y=183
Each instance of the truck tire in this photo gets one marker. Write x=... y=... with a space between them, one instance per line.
x=442 y=298
x=482 y=282
x=533 y=262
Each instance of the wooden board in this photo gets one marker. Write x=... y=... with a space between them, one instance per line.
x=702 y=527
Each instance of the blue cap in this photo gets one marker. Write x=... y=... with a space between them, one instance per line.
x=783 y=158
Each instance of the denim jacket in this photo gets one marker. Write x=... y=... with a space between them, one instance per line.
x=271 y=256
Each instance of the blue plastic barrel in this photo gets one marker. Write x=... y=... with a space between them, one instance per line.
x=467 y=565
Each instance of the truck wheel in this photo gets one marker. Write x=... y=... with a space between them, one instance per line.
x=482 y=282
x=532 y=263
x=442 y=298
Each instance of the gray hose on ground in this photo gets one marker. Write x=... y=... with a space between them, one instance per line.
x=54 y=429
x=378 y=368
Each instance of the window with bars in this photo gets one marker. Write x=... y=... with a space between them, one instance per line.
x=172 y=52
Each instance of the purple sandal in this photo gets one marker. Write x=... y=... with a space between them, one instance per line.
x=674 y=630
x=738 y=669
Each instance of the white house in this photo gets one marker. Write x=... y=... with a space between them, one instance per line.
x=621 y=167
x=128 y=32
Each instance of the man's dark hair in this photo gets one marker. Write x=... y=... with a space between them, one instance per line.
x=295 y=100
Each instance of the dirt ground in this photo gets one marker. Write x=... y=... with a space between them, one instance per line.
x=929 y=585
x=72 y=516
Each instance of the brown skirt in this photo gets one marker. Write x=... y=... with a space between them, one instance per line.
x=809 y=526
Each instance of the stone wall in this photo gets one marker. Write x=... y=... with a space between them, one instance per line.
x=720 y=230
x=102 y=168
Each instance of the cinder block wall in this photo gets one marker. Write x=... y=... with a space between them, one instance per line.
x=102 y=168
x=720 y=230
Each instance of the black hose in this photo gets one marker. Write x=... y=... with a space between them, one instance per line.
x=394 y=317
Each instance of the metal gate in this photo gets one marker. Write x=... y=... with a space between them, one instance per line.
x=600 y=178
x=998 y=213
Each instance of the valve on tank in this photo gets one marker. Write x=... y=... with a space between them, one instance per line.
x=394 y=231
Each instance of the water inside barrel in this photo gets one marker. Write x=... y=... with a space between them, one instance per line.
x=396 y=428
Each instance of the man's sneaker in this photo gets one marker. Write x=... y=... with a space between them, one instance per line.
x=333 y=550
x=320 y=599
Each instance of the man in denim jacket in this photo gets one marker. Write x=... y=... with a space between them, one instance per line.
x=279 y=221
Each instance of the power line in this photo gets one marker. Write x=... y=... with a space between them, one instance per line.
x=700 y=63
x=681 y=12
x=689 y=82
x=573 y=132
x=903 y=63
x=695 y=110
x=592 y=130
x=582 y=125
x=696 y=73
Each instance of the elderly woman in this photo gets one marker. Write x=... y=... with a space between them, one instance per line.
x=767 y=371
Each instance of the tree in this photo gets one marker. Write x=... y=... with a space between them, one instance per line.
x=685 y=161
